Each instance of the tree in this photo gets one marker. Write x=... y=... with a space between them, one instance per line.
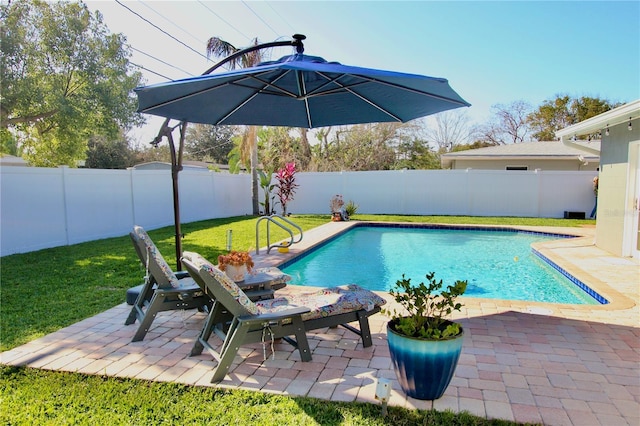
x=320 y=151
x=205 y=142
x=238 y=157
x=373 y=146
x=552 y=115
x=450 y=128
x=220 y=48
x=563 y=111
x=416 y=154
x=279 y=145
x=105 y=153
x=304 y=157
x=161 y=153
x=508 y=124
x=474 y=145
x=362 y=147
x=586 y=107
x=64 y=79
x=8 y=143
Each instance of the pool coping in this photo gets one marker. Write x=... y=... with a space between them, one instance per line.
x=568 y=237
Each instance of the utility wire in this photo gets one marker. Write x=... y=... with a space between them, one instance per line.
x=280 y=16
x=160 y=60
x=223 y=20
x=206 y=150
x=151 y=71
x=260 y=18
x=170 y=21
x=160 y=29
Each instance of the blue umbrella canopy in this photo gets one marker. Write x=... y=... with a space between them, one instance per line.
x=299 y=91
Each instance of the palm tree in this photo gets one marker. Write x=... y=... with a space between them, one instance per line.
x=220 y=48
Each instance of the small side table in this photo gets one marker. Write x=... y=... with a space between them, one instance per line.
x=263 y=282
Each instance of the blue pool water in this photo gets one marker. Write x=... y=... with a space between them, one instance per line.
x=496 y=264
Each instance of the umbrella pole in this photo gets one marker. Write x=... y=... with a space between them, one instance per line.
x=176 y=159
x=297 y=42
x=175 y=169
x=176 y=166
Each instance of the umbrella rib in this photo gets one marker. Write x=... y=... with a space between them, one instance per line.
x=373 y=104
x=374 y=80
x=253 y=95
x=187 y=96
x=209 y=89
x=420 y=92
x=302 y=89
x=370 y=102
x=273 y=86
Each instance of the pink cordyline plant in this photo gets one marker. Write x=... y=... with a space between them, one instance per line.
x=286 y=185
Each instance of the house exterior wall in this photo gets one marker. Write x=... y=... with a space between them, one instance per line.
x=613 y=182
x=483 y=164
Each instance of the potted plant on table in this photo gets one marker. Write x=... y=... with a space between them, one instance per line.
x=236 y=264
x=424 y=345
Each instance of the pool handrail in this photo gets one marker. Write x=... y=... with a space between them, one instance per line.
x=271 y=219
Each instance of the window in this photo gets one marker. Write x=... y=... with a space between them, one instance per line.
x=517 y=168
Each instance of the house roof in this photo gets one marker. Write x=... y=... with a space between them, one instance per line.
x=12 y=160
x=161 y=165
x=186 y=164
x=524 y=150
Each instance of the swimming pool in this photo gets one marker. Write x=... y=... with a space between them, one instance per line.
x=497 y=263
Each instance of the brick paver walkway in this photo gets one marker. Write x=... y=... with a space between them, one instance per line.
x=529 y=362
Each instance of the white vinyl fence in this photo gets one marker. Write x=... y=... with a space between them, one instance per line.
x=49 y=207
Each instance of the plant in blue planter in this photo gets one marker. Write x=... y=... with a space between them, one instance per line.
x=425 y=346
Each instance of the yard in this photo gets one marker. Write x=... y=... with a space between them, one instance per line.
x=68 y=284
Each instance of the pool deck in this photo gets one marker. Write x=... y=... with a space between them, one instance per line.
x=524 y=361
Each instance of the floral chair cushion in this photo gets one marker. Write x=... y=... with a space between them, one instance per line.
x=325 y=302
x=154 y=254
x=223 y=280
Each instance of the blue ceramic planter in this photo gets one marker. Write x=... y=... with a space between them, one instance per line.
x=424 y=368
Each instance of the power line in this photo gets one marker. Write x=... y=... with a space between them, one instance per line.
x=260 y=18
x=170 y=21
x=160 y=60
x=214 y=146
x=280 y=16
x=151 y=71
x=223 y=20
x=160 y=29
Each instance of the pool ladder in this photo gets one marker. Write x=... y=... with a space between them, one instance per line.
x=277 y=220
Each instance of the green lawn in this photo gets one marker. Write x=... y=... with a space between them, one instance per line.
x=49 y=289
x=46 y=290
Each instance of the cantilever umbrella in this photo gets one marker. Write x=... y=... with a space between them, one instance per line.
x=299 y=91
x=294 y=91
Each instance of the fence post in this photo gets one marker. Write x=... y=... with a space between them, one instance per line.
x=133 y=197
x=65 y=213
x=538 y=174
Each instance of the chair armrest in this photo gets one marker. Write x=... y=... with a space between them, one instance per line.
x=275 y=316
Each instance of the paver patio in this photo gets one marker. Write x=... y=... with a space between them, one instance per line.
x=523 y=361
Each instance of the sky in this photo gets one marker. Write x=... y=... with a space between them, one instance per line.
x=492 y=52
